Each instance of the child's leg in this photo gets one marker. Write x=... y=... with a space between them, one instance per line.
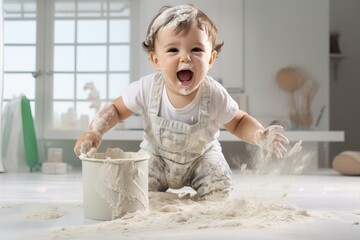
x=157 y=178
x=212 y=176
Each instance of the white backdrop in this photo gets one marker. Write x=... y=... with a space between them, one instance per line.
x=1 y=75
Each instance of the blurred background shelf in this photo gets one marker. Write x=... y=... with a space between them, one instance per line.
x=137 y=135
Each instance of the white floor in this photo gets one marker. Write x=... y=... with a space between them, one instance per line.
x=40 y=206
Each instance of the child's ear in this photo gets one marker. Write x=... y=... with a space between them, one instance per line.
x=154 y=60
x=212 y=58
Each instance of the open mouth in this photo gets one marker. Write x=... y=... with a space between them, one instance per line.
x=185 y=76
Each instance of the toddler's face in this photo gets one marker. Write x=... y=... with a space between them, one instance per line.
x=183 y=59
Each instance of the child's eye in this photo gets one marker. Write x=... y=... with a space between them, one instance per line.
x=172 y=50
x=196 y=49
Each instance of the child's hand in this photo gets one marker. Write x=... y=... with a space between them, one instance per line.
x=87 y=143
x=272 y=140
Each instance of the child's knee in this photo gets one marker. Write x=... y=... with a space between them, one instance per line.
x=156 y=185
x=215 y=190
x=213 y=180
x=217 y=195
x=157 y=178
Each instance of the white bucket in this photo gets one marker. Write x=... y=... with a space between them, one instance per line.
x=114 y=183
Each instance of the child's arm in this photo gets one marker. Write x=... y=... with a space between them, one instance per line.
x=105 y=119
x=251 y=131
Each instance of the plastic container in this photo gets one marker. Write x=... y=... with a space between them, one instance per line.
x=54 y=167
x=55 y=155
x=114 y=183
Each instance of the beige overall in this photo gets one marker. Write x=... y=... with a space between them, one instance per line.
x=183 y=154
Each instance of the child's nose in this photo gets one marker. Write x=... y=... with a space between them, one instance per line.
x=185 y=57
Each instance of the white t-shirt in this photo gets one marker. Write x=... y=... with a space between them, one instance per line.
x=222 y=107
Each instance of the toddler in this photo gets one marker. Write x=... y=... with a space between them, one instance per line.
x=183 y=108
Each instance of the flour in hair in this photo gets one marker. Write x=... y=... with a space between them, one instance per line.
x=177 y=14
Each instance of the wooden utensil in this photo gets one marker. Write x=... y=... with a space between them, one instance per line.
x=308 y=92
x=290 y=79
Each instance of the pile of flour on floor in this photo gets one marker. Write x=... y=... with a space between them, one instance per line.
x=42 y=212
x=173 y=212
x=176 y=212
x=4 y=206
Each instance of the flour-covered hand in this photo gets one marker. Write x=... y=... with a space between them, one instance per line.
x=272 y=140
x=87 y=143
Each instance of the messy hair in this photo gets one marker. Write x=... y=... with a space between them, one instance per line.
x=182 y=27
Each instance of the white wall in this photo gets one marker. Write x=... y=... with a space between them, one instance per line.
x=1 y=76
x=345 y=97
x=276 y=34
x=279 y=33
